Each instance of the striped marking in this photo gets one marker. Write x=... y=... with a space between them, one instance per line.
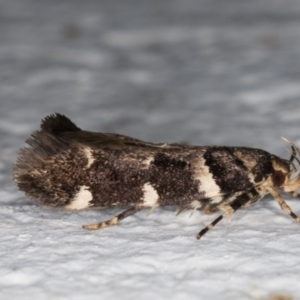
x=82 y=199
x=150 y=196
x=89 y=155
x=207 y=183
x=146 y=162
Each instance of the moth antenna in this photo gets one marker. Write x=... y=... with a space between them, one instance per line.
x=297 y=159
x=294 y=183
x=292 y=153
x=286 y=140
x=293 y=146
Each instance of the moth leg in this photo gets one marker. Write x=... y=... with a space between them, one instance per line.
x=283 y=205
x=210 y=226
x=295 y=195
x=230 y=209
x=115 y=220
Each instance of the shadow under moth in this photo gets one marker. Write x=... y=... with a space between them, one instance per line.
x=66 y=167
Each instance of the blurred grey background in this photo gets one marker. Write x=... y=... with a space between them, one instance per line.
x=204 y=72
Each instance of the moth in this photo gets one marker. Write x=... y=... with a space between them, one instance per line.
x=66 y=167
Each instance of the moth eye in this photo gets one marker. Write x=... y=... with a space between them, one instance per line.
x=278 y=178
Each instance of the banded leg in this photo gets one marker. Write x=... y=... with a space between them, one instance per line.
x=210 y=226
x=234 y=206
x=283 y=205
x=115 y=220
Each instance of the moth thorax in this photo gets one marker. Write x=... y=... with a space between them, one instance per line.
x=281 y=170
x=278 y=178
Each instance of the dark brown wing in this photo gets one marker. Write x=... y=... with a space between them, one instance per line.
x=60 y=161
x=60 y=126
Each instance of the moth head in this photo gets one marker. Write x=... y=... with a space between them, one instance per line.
x=284 y=169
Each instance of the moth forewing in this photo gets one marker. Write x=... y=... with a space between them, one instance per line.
x=69 y=168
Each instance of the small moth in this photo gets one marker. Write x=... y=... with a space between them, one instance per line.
x=70 y=168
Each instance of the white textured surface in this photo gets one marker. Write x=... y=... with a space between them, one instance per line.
x=202 y=72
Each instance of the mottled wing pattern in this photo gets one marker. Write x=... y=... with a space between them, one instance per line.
x=69 y=168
